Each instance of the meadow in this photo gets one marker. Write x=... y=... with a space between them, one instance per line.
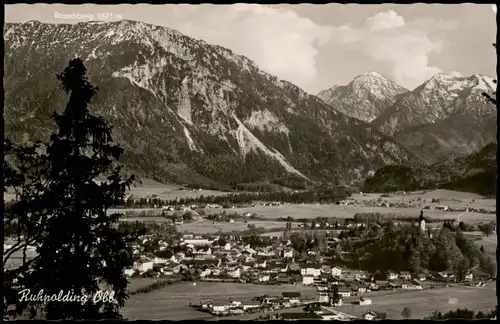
x=150 y=187
x=172 y=302
x=423 y=303
x=313 y=211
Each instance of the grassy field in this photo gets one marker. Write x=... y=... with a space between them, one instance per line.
x=423 y=303
x=446 y=197
x=489 y=243
x=168 y=191
x=172 y=302
x=339 y=211
x=210 y=227
x=280 y=233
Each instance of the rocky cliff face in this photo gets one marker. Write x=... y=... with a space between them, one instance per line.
x=186 y=111
x=365 y=98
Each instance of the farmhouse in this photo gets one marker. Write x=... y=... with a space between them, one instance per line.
x=314 y=270
x=370 y=315
x=143 y=267
x=336 y=271
x=197 y=242
x=364 y=301
x=344 y=292
x=307 y=280
x=405 y=275
x=392 y=276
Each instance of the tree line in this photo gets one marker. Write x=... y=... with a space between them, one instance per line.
x=462 y=313
x=325 y=195
x=409 y=249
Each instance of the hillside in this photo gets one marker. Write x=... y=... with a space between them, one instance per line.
x=474 y=173
x=186 y=111
x=445 y=117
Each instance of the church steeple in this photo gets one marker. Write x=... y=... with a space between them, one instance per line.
x=421 y=221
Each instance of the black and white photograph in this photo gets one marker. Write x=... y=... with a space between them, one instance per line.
x=250 y=162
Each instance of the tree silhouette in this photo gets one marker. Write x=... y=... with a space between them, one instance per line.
x=334 y=295
x=61 y=209
x=406 y=313
x=492 y=98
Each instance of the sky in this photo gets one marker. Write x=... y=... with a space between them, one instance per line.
x=318 y=46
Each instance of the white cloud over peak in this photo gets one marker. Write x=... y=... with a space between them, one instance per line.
x=385 y=20
x=456 y=74
x=278 y=40
x=406 y=46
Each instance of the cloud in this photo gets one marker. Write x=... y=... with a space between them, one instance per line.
x=385 y=20
x=456 y=74
x=278 y=40
x=405 y=46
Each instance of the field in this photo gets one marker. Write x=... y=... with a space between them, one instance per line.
x=280 y=233
x=172 y=302
x=489 y=243
x=168 y=191
x=339 y=211
x=210 y=227
x=423 y=303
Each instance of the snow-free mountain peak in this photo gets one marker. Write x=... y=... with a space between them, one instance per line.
x=365 y=97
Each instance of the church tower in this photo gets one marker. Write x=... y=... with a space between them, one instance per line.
x=421 y=221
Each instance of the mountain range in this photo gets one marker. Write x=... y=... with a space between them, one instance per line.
x=189 y=112
x=445 y=117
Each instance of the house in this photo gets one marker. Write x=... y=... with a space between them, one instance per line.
x=197 y=242
x=293 y=267
x=261 y=264
x=336 y=271
x=468 y=277
x=364 y=301
x=314 y=270
x=307 y=280
x=220 y=308
x=405 y=275
x=158 y=260
x=443 y=274
x=215 y=271
x=370 y=315
x=264 y=278
x=143 y=267
x=392 y=276
x=205 y=272
x=180 y=268
x=235 y=273
x=293 y=297
x=266 y=253
x=227 y=247
x=359 y=274
x=344 y=292
x=411 y=286
x=361 y=289
x=204 y=250
x=129 y=272
x=323 y=297
x=326 y=270
x=422 y=277
x=235 y=253
x=249 y=251
x=287 y=253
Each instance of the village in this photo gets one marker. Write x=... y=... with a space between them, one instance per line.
x=229 y=259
